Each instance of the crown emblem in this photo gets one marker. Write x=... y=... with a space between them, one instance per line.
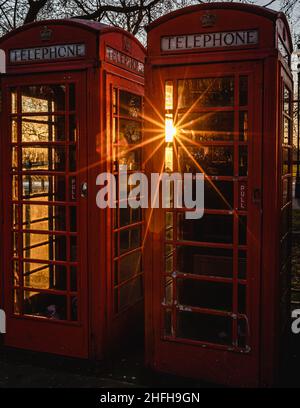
x=208 y=20
x=127 y=46
x=45 y=33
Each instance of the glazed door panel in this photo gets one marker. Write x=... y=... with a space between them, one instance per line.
x=45 y=214
x=205 y=298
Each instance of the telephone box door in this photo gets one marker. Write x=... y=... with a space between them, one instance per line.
x=205 y=299
x=45 y=271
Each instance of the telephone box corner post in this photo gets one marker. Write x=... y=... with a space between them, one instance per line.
x=297 y=185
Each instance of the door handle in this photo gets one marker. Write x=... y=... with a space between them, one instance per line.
x=84 y=189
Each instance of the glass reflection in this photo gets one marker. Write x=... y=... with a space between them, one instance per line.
x=205 y=92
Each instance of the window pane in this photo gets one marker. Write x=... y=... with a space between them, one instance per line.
x=204 y=261
x=130 y=239
x=213 y=160
x=205 y=92
x=43 y=128
x=207 y=295
x=286 y=160
x=218 y=195
x=130 y=132
x=44 y=188
x=210 y=228
x=130 y=104
x=43 y=98
x=207 y=126
x=243 y=126
x=130 y=266
x=243 y=161
x=53 y=307
x=42 y=217
x=131 y=292
x=43 y=276
x=44 y=158
x=44 y=247
x=203 y=327
x=243 y=91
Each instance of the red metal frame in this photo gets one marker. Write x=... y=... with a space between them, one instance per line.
x=234 y=365
x=96 y=332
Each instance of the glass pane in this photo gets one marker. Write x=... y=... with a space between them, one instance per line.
x=14 y=100
x=130 y=104
x=15 y=187
x=44 y=188
x=286 y=160
x=43 y=128
x=243 y=124
x=72 y=97
x=17 y=302
x=73 y=249
x=130 y=239
x=207 y=295
x=213 y=160
x=72 y=158
x=168 y=323
x=16 y=273
x=131 y=292
x=286 y=220
x=286 y=190
x=73 y=279
x=169 y=298
x=72 y=128
x=210 y=228
x=14 y=131
x=43 y=98
x=242 y=332
x=43 y=276
x=130 y=266
x=14 y=159
x=74 y=308
x=15 y=241
x=47 y=305
x=73 y=219
x=207 y=126
x=132 y=158
x=243 y=161
x=44 y=247
x=169 y=226
x=218 y=195
x=130 y=132
x=129 y=216
x=287 y=101
x=242 y=230
x=205 y=92
x=204 y=261
x=44 y=158
x=205 y=328
x=243 y=91
x=43 y=217
x=242 y=290
x=242 y=265
x=286 y=130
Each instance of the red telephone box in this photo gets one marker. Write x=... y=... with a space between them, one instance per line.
x=72 y=101
x=218 y=80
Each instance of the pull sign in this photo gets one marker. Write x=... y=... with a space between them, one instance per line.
x=73 y=188
x=243 y=195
